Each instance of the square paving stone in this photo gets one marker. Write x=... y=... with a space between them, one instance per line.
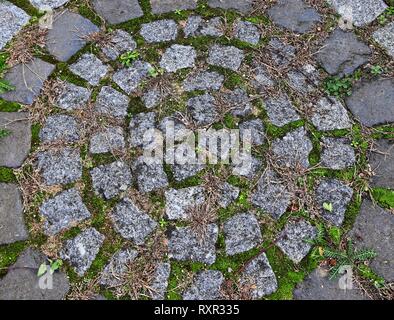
x=243 y=6
x=330 y=114
x=41 y=4
x=335 y=194
x=196 y=26
x=150 y=177
x=63 y=211
x=203 y=109
x=281 y=53
x=385 y=37
x=164 y=6
x=12 y=19
x=28 y=80
x=337 y=153
x=238 y=102
x=60 y=166
x=260 y=78
x=257 y=131
x=206 y=285
x=158 y=287
x=299 y=82
x=342 y=53
x=15 y=147
x=178 y=202
x=111 y=102
x=187 y=170
x=72 y=97
x=119 y=42
x=246 y=165
x=293 y=240
x=111 y=179
x=128 y=79
x=178 y=57
x=12 y=224
x=90 y=68
x=226 y=57
x=108 y=140
x=140 y=128
x=185 y=245
x=203 y=80
x=60 y=127
x=247 y=32
x=227 y=194
x=118 y=11
x=381 y=160
x=68 y=35
x=241 y=233
x=281 y=110
x=81 y=251
x=154 y=96
x=159 y=31
x=132 y=223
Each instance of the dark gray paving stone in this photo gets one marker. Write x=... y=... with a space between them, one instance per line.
x=238 y=101
x=159 y=31
x=337 y=153
x=164 y=6
x=298 y=81
x=272 y=194
x=178 y=202
x=281 y=53
x=90 y=68
x=374 y=229
x=197 y=26
x=246 y=165
x=21 y=281
x=260 y=78
x=382 y=164
x=27 y=80
x=72 y=97
x=149 y=177
x=41 y=4
x=318 y=286
x=63 y=211
x=184 y=171
x=330 y=114
x=12 y=19
x=241 y=233
x=15 y=147
x=111 y=102
x=227 y=194
x=178 y=57
x=108 y=140
x=293 y=240
x=81 y=251
x=60 y=127
x=226 y=57
x=294 y=15
x=68 y=35
x=118 y=11
x=259 y=278
x=243 y=6
x=203 y=109
x=203 y=80
x=132 y=223
x=120 y=42
x=11 y=215
x=338 y=195
x=60 y=166
x=185 y=245
x=281 y=110
x=173 y=126
x=385 y=37
x=373 y=102
x=158 y=287
x=111 y=179
x=141 y=124
x=247 y=32
x=360 y=12
x=342 y=53
x=129 y=79
x=206 y=286
x=293 y=149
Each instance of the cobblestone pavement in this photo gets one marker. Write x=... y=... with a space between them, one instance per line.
x=82 y=81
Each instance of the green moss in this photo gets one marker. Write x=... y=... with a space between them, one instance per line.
x=6 y=106
x=367 y=273
x=35 y=135
x=7 y=175
x=26 y=6
x=278 y=132
x=9 y=254
x=384 y=197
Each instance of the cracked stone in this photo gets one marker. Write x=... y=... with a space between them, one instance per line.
x=382 y=164
x=150 y=177
x=72 y=97
x=282 y=53
x=120 y=42
x=226 y=57
x=203 y=80
x=178 y=202
x=139 y=125
x=227 y=194
x=159 y=31
x=203 y=109
x=206 y=286
x=158 y=287
x=385 y=37
x=129 y=79
x=243 y=6
x=90 y=68
x=164 y=6
x=178 y=57
x=281 y=111
x=247 y=32
x=238 y=101
x=196 y=26
x=337 y=153
x=330 y=114
x=118 y=11
x=112 y=102
x=63 y=211
x=111 y=139
x=60 y=127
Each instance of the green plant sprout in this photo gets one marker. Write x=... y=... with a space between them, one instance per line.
x=53 y=266
x=129 y=57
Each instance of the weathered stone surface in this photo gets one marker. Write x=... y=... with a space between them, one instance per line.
x=119 y=42
x=68 y=35
x=72 y=97
x=118 y=11
x=132 y=223
x=150 y=177
x=243 y=6
x=318 y=286
x=111 y=179
x=281 y=111
x=21 y=281
x=342 y=53
x=385 y=37
x=374 y=229
x=60 y=166
x=178 y=57
x=81 y=251
x=272 y=195
x=359 y=12
x=159 y=31
x=141 y=124
x=238 y=102
x=258 y=277
x=27 y=80
x=226 y=57
x=15 y=147
x=63 y=211
x=202 y=109
x=163 y=6
x=12 y=19
x=203 y=80
x=196 y=26
x=60 y=127
x=128 y=79
x=11 y=215
x=247 y=32
x=299 y=82
x=330 y=114
x=293 y=240
x=294 y=15
x=246 y=165
x=337 y=153
x=373 y=102
x=90 y=68
x=242 y=233
x=260 y=78
x=112 y=102
x=153 y=97
x=158 y=287
x=110 y=139
x=41 y=4
x=293 y=149
x=178 y=202
x=206 y=286
x=381 y=161
x=184 y=171
x=227 y=194
x=185 y=245
x=336 y=194
x=281 y=53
